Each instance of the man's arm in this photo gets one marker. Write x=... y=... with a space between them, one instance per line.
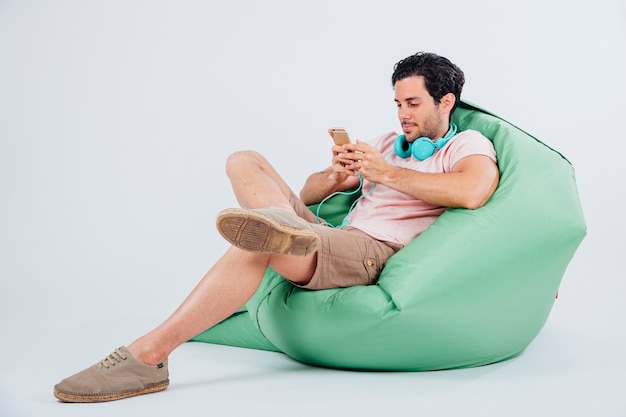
x=334 y=178
x=470 y=184
x=322 y=184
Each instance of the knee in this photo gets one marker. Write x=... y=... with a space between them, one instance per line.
x=242 y=160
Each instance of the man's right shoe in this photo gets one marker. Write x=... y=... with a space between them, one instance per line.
x=270 y=230
x=117 y=376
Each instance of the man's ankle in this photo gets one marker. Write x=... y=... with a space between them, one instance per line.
x=145 y=355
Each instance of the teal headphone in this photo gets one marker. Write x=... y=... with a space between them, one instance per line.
x=422 y=148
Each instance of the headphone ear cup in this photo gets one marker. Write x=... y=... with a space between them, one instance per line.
x=422 y=148
x=401 y=147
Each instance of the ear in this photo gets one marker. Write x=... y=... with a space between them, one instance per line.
x=447 y=102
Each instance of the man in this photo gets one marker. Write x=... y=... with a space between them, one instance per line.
x=407 y=182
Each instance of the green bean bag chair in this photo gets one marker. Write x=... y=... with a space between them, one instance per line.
x=475 y=288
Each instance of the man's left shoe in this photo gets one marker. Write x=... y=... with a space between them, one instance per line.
x=269 y=230
x=117 y=376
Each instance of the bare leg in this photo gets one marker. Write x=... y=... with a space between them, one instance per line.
x=255 y=182
x=225 y=288
x=228 y=285
x=234 y=278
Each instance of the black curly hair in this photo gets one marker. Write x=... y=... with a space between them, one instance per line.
x=441 y=76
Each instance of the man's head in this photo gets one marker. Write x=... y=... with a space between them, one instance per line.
x=428 y=89
x=441 y=76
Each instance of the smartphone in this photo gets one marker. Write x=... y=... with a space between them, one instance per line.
x=340 y=135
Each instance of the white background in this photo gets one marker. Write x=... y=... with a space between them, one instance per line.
x=115 y=121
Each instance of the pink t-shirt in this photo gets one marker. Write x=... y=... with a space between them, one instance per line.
x=389 y=215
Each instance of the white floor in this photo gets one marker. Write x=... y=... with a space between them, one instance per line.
x=115 y=121
x=563 y=373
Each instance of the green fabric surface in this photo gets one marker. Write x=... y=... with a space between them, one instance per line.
x=475 y=288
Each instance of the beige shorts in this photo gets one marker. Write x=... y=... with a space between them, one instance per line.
x=347 y=256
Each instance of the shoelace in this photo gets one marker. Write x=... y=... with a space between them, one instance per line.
x=115 y=357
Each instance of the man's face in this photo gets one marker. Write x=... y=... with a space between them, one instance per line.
x=418 y=113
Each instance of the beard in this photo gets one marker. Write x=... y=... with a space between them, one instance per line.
x=429 y=128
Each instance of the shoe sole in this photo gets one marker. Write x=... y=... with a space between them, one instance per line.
x=255 y=232
x=70 y=397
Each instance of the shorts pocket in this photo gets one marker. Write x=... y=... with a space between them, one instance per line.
x=373 y=261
